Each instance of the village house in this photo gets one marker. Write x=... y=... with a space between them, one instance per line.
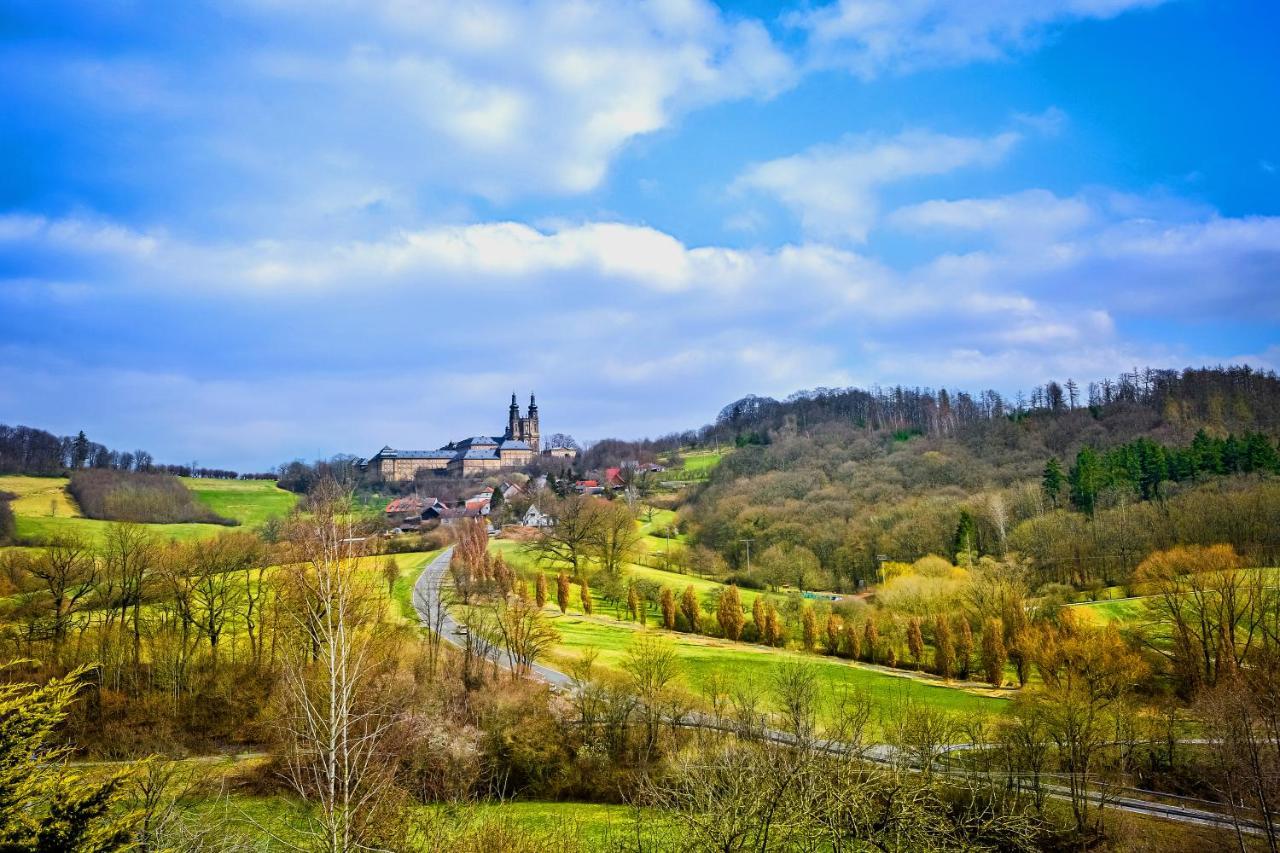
x=535 y=517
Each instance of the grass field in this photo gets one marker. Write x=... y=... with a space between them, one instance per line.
x=1127 y=612
x=43 y=509
x=695 y=465
x=700 y=657
x=559 y=825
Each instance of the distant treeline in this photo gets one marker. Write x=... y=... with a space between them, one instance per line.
x=145 y=498
x=1141 y=466
x=27 y=450
x=1231 y=399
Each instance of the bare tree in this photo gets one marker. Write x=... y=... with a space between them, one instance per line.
x=525 y=633
x=338 y=722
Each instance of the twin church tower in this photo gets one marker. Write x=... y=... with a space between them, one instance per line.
x=523 y=429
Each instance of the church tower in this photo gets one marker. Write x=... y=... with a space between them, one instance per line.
x=513 y=420
x=531 y=431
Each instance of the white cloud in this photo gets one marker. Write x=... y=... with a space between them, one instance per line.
x=1029 y=215
x=868 y=37
x=619 y=327
x=832 y=188
x=495 y=98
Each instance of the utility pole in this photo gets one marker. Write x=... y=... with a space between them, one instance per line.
x=748 y=542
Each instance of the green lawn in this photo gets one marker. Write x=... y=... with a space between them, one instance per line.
x=1127 y=612
x=43 y=509
x=557 y=825
x=700 y=463
x=411 y=566
x=700 y=657
x=251 y=502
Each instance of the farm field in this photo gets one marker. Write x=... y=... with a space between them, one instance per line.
x=44 y=509
x=701 y=657
x=251 y=502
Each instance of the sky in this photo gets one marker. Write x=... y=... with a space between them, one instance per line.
x=245 y=231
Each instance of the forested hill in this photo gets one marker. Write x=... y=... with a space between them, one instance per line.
x=851 y=475
x=1231 y=399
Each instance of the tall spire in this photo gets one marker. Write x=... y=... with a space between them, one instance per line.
x=533 y=403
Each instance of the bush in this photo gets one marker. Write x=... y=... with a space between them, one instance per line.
x=143 y=498
x=8 y=527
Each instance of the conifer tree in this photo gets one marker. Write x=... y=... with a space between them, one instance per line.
x=773 y=625
x=915 y=641
x=809 y=628
x=993 y=652
x=584 y=592
x=1052 y=481
x=870 y=639
x=562 y=592
x=944 y=653
x=833 y=631
x=729 y=613
x=667 y=600
x=964 y=647
x=43 y=806
x=633 y=602
x=540 y=591
x=691 y=609
x=758 y=619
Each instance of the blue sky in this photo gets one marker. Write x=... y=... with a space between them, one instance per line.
x=245 y=231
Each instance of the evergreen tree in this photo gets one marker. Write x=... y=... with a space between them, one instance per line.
x=668 y=602
x=729 y=613
x=43 y=805
x=562 y=591
x=691 y=609
x=964 y=646
x=915 y=641
x=809 y=628
x=834 y=630
x=944 y=654
x=994 y=655
x=1086 y=480
x=1052 y=481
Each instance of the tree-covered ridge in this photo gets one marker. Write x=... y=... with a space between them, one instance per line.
x=916 y=477
x=1140 y=467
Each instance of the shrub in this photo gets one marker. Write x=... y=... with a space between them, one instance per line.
x=143 y=498
x=8 y=527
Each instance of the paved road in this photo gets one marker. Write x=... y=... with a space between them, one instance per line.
x=435 y=579
x=427 y=592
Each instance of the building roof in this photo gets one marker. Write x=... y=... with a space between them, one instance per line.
x=388 y=453
x=513 y=444
x=409 y=504
x=480 y=453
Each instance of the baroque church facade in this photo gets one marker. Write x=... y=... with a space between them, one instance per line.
x=470 y=457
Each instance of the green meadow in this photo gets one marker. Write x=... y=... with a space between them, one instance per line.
x=702 y=657
x=44 y=509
